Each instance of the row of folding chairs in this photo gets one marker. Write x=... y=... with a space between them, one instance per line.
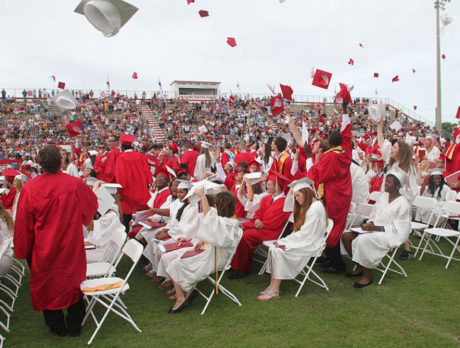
x=10 y=284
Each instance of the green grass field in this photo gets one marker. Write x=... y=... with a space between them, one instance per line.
x=422 y=310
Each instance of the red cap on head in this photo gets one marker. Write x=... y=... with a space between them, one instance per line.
x=10 y=173
x=379 y=163
x=254 y=163
x=278 y=178
x=174 y=147
x=165 y=173
x=127 y=139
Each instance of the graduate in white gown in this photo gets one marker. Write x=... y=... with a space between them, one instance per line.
x=218 y=233
x=101 y=234
x=250 y=196
x=289 y=255
x=389 y=226
x=6 y=240
x=204 y=162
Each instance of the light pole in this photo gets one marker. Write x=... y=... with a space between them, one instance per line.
x=438 y=4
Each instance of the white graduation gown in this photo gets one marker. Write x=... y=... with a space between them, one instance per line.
x=369 y=249
x=359 y=183
x=222 y=235
x=300 y=245
x=100 y=236
x=447 y=194
x=200 y=166
x=6 y=248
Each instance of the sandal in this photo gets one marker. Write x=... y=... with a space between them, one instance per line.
x=266 y=290
x=268 y=296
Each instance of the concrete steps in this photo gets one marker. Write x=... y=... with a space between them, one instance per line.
x=155 y=130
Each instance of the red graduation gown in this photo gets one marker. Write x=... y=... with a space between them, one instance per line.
x=8 y=199
x=99 y=166
x=110 y=165
x=189 y=158
x=333 y=171
x=133 y=173
x=52 y=209
x=239 y=209
x=273 y=219
x=376 y=183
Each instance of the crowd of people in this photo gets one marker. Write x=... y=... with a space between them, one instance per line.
x=230 y=177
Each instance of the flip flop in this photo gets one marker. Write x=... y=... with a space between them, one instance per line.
x=268 y=296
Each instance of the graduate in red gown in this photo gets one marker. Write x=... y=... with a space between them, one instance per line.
x=282 y=161
x=377 y=179
x=243 y=155
x=48 y=233
x=189 y=158
x=267 y=224
x=152 y=157
x=169 y=158
x=100 y=163
x=111 y=160
x=133 y=173
x=7 y=197
x=332 y=176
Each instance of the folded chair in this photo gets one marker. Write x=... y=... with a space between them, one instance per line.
x=106 y=291
x=451 y=236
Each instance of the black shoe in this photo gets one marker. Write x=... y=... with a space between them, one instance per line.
x=321 y=260
x=181 y=307
x=74 y=333
x=333 y=270
x=59 y=332
x=351 y=274
x=237 y=275
x=357 y=285
x=405 y=255
x=191 y=297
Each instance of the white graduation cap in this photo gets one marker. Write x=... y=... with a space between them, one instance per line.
x=65 y=100
x=184 y=185
x=92 y=153
x=2 y=179
x=22 y=177
x=294 y=187
x=202 y=129
x=205 y=145
x=400 y=175
x=112 y=187
x=2 y=190
x=435 y=171
x=376 y=112
x=107 y=16
x=104 y=200
x=254 y=178
x=90 y=181
x=410 y=140
x=208 y=187
x=396 y=126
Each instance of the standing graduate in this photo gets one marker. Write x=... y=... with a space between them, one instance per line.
x=332 y=176
x=48 y=233
x=133 y=173
x=111 y=159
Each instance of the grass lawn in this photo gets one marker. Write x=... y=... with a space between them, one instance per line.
x=420 y=310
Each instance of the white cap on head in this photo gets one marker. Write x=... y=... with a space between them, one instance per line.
x=183 y=185
x=429 y=136
x=436 y=171
x=92 y=153
x=399 y=174
x=301 y=183
x=206 y=145
x=107 y=16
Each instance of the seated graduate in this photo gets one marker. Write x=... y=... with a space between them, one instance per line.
x=288 y=256
x=435 y=188
x=219 y=234
x=6 y=240
x=389 y=227
x=267 y=224
x=250 y=196
x=100 y=231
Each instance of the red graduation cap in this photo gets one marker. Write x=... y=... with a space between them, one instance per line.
x=361 y=45
x=413 y=71
x=351 y=62
x=232 y=97
x=254 y=163
x=395 y=79
x=344 y=94
x=278 y=178
x=277 y=105
x=287 y=92
x=134 y=75
x=190 y=1
x=203 y=13
x=376 y=74
x=231 y=41
x=379 y=163
x=10 y=173
x=126 y=139
x=415 y=107
x=321 y=79
x=74 y=128
x=61 y=85
x=443 y=56
x=458 y=113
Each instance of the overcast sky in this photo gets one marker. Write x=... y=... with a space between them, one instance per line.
x=277 y=43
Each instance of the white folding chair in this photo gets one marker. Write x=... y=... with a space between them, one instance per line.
x=426 y=203
x=262 y=249
x=133 y=249
x=388 y=267
x=450 y=208
x=308 y=270
x=351 y=216
x=106 y=269
x=374 y=196
x=217 y=284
